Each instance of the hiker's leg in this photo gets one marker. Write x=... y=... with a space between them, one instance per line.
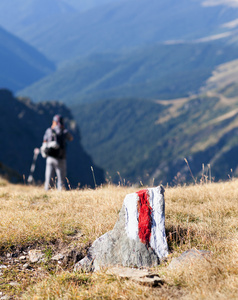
x=48 y=172
x=61 y=173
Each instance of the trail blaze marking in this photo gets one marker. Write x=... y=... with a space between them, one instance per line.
x=144 y=223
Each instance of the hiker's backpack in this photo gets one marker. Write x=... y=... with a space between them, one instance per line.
x=56 y=147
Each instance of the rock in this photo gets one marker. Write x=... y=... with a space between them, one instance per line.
x=25 y=266
x=3 y=267
x=13 y=283
x=58 y=257
x=35 y=255
x=130 y=244
x=188 y=257
x=143 y=276
x=23 y=257
x=150 y=280
x=128 y=272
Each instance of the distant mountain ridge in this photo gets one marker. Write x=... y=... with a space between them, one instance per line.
x=23 y=124
x=136 y=53
x=124 y=25
x=119 y=25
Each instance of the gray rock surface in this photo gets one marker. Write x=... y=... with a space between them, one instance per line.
x=141 y=276
x=35 y=255
x=188 y=257
x=116 y=248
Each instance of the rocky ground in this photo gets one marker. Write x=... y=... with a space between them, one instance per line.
x=23 y=267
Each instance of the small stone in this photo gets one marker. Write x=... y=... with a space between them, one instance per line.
x=35 y=255
x=13 y=283
x=3 y=267
x=128 y=272
x=151 y=281
x=25 y=266
x=188 y=257
x=58 y=257
x=23 y=257
x=8 y=255
x=143 y=277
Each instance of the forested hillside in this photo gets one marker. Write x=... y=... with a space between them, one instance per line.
x=161 y=71
x=23 y=124
x=148 y=140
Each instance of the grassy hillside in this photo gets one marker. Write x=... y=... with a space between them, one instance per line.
x=21 y=64
x=161 y=71
x=202 y=217
x=148 y=140
x=224 y=79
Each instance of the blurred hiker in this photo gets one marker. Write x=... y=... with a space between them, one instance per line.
x=54 y=149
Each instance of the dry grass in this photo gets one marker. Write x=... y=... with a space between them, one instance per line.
x=199 y=216
x=28 y=215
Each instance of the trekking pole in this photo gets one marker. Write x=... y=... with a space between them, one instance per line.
x=33 y=165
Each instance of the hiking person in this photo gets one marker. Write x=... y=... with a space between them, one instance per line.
x=54 y=149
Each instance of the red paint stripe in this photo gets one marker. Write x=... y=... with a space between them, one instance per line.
x=144 y=216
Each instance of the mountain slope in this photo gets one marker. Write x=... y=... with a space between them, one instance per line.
x=162 y=71
x=62 y=34
x=148 y=140
x=20 y=63
x=127 y=24
x=17 y=16
x=22 y=126
x=10 y=174
x=82 y=5
x=224 y=79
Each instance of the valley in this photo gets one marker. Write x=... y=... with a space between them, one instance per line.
x=146 y=93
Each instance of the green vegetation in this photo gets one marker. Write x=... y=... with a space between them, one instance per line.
x=161 y=71
x=147 y=140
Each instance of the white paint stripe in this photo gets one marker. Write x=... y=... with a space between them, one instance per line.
x=158 y=240
x=131 y=217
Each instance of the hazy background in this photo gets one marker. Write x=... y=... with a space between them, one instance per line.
x=149 y=83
